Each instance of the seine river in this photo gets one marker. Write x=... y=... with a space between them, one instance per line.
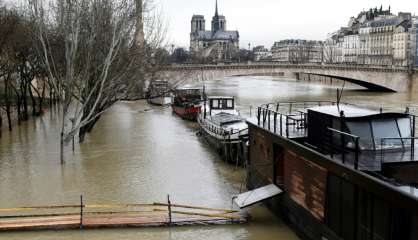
x=139 y=153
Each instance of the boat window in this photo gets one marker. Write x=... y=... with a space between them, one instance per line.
x=386 y=128
x=404 y=127
x=362 y=130
x=215 y=103
x=229 y=103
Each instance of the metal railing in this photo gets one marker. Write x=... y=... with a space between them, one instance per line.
x=280 y=116
x=291 y=107
x=266 y=116
x=219 y=130
x=342 y=147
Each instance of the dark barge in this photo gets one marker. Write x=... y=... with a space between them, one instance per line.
x=187 y=103
x=346 y=172
x=224 y=129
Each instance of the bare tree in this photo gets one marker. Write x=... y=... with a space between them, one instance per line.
x=8 y=22
x=102 y=57
x=19 y=63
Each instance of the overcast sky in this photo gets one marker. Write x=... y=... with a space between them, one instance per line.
x=261 y=22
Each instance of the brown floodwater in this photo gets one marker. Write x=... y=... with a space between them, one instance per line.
x=139 y=153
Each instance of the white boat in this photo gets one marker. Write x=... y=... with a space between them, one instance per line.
x=159 y=93
x=164 y=100
x=224 y=128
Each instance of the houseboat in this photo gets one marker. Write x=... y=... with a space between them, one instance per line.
x=159 y=93
x=338 y=171
x=224 y=128
x=187 y=103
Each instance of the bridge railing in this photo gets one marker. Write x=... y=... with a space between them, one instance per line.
x=289 y=65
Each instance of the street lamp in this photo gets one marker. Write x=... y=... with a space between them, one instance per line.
x=249 y=51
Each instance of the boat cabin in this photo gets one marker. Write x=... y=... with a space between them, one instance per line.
x=219 y=103
x=188 y=92
x=159 y=88
x=343 y=171
x=371 y=141
x=373 y=129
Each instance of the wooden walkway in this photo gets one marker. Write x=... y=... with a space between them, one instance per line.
x=113 y=216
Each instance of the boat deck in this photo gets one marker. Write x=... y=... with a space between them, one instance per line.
x=293 y=127
x=225 y=118
x=373 y=160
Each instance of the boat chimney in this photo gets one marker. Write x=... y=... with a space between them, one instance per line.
x=407 y=110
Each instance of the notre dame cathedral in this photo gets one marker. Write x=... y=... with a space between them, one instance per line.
x=216 y=45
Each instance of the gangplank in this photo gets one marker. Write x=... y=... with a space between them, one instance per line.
x=89 y=216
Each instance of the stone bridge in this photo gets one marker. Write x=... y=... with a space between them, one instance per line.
x=387 y=79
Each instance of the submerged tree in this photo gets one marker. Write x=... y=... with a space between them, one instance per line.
x=95 y=55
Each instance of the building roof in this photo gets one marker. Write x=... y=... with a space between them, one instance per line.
x=406 y=24
x=382 y=22
x=218 y=35
x=198 y=16
x=226 y=35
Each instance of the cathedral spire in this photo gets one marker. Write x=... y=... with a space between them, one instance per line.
x=216 y=8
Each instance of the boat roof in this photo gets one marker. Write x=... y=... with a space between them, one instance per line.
x=226 y=118
x=351 y=111
x=188 y=88
x=220 y=97
x=159 y=82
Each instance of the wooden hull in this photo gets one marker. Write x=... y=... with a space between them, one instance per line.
x=188 y=113
x=160 y=101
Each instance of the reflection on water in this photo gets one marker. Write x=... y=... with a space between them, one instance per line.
x=134 y=155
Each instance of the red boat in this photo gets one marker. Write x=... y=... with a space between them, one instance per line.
x=187 y=103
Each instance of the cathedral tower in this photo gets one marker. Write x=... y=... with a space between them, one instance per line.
x=218 y=21
x=198 y=23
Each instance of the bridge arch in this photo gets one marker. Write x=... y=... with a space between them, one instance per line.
x=369 y=85
x=381 y=79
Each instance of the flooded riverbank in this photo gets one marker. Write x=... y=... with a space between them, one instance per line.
x=141 y=153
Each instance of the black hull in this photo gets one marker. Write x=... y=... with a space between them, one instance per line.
x=232 y=152
x=323 y=199
x=296 y=217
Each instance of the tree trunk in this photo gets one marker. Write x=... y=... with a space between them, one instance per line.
x=25 y=102
x=33 y=100
x=64 y=115
x=41 y=99
x=50 y=96
x=86 y=129
x=62 y=146
x=7 y=102
x=18 y=105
